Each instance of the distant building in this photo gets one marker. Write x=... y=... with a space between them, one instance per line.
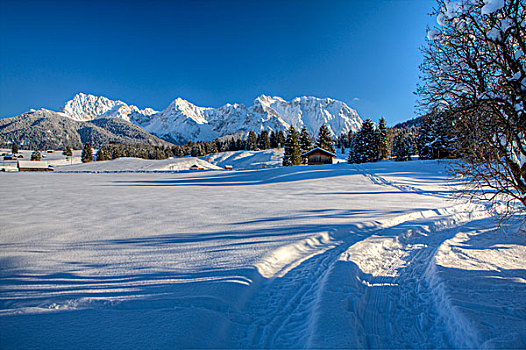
x=28 y=165
x=196 y=167
x=319 y=156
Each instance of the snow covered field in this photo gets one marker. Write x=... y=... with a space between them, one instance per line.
x=334 y=256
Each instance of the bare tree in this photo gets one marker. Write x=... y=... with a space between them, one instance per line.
x=474 y=70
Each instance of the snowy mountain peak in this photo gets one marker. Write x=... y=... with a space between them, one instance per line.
x=85 y=107
x=183 y=121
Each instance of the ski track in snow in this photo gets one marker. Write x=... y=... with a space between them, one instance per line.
x=285 y=313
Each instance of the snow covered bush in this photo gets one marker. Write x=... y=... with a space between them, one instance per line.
x=474 y=70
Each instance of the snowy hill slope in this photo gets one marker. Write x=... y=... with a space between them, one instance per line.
x=183 y=121
x=247 y=159
x=138 y=165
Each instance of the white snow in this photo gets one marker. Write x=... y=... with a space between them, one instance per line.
x=494 y=34
x=492 y=6
x=85 y=107
x=335 y=256
x=247 y=159
x=433 y=34
x=139 y=165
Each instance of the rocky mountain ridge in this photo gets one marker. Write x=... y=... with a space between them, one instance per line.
x=183 y=121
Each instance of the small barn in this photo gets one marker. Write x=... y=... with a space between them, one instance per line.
x=28 y=165
x=196 y=167
x=318 y=156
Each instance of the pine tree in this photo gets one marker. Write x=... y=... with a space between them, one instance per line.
x=402 y=146
x=87 y=154
x=383 y=142
x=14 y=148
x=364 y=145
x=292 y=154
x=273 y=139
x=324 y=139
x=36 y=155
x=103 y=154
x=435 y=140
x=353 y=149
x=280 y=138
x=305 y=140
x=68 y=152
x=252 y=141
x=370 y=141
x=264 y=140
x=305 y=143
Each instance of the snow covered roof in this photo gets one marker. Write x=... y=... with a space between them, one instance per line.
x=29 y=164
x=319 y=149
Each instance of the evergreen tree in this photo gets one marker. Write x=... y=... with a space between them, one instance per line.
x=280 y=138
x=435 y=140
x=219 y=145
x=239 y=145
x=364 y=145
x=402 y=146
x=211 y=147
x=273 y=139
x=354 y=157
x=292 y=154
x=305 y=140
x=264 y=140
x=252 y=141
x=14 y=148
x=369 y=141
x=383 y=142
x=68 y=152
x=103 y=154
x=325 y=140
x=36 y=155
x=305 y=143
x=87 y=154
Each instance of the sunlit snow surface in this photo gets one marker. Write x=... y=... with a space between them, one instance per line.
x=335 y=256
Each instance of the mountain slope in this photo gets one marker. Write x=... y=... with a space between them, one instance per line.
x=45 y=129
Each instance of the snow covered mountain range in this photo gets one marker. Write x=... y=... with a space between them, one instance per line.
x=183 y=121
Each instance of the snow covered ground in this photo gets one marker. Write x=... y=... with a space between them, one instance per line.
x=139 y=165
x=335 y=256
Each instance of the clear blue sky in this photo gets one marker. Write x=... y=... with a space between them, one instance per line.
x=147 y=53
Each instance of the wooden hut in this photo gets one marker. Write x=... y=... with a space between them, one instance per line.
x=318 y=156
x=28 y=165
x=196 y=167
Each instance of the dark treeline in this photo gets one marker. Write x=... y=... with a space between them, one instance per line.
x=429 y=137
x=252 y=142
